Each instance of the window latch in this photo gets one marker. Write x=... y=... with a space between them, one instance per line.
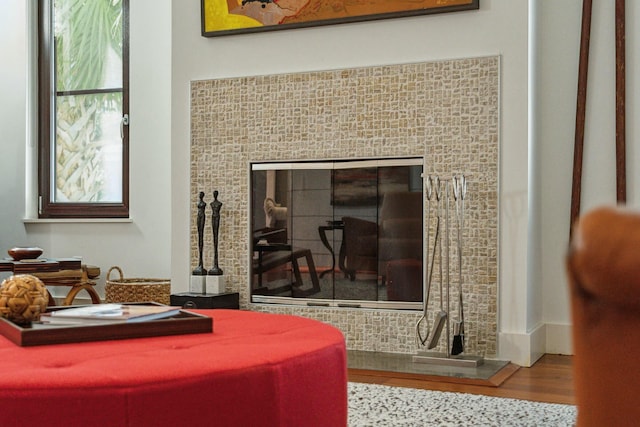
x=124 y=122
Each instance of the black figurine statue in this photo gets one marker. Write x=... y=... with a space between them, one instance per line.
x=215 y=223
x=202 y=205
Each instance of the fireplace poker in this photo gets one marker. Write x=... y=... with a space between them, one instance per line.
x=447 y=253
x=441 y=316
x=459 y=194
x=427 y=285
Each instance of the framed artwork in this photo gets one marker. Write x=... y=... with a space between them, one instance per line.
x=223 y=17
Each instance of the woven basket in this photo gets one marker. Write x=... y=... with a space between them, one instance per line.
x=137 y=289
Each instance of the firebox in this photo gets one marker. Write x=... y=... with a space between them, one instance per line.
x=346 y=233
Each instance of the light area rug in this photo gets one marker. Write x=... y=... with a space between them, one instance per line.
x=379 y=405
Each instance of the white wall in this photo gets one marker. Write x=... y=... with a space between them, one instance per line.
x=13 y=82
x=141 y=247
x=168 y=52
x=559 y=44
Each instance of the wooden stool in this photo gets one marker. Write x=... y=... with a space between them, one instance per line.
x=75 y=289
x=77 y=280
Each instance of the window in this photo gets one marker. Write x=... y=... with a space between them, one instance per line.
x=83 y=158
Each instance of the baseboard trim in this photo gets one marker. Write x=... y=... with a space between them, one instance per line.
x=525 y=349
x=559 y=339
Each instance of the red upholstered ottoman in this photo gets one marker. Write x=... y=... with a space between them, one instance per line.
x=256 y=369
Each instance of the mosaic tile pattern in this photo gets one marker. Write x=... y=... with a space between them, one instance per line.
x=446 y=111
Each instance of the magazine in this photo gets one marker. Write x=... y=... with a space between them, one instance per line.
x=102 y=313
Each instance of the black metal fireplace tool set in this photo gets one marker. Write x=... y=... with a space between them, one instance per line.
x=427 y=334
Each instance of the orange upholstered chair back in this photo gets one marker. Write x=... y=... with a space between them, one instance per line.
x=604 y=273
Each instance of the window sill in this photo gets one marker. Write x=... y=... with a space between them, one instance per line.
x=75 y=220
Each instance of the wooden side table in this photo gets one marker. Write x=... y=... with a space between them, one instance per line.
x=45 y=270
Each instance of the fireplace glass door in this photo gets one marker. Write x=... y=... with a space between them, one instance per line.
x=338 y=233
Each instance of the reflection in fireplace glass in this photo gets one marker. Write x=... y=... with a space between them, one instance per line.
x=346 y=233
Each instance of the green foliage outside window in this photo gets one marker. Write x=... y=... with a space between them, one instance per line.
x=88 y=100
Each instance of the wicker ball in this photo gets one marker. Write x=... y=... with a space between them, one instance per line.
x=22 y=298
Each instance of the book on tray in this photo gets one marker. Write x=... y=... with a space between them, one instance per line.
x=106 y=313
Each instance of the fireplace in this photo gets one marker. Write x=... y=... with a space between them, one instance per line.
x=344 y=233
x=445 y=113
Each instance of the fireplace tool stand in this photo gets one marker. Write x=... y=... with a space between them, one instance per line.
x=442 y=318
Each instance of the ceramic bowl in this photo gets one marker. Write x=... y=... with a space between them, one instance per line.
x=19 y=254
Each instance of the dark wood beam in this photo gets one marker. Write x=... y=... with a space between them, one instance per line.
x=621 y=158
x=583 y=68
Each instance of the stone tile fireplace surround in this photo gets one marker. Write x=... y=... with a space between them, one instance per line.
x=446 y=111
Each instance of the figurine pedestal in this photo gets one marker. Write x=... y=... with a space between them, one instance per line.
x=215 y=284
x=198 y=284
x=189 y=300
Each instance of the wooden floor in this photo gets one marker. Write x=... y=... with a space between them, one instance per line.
x=550 y=380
